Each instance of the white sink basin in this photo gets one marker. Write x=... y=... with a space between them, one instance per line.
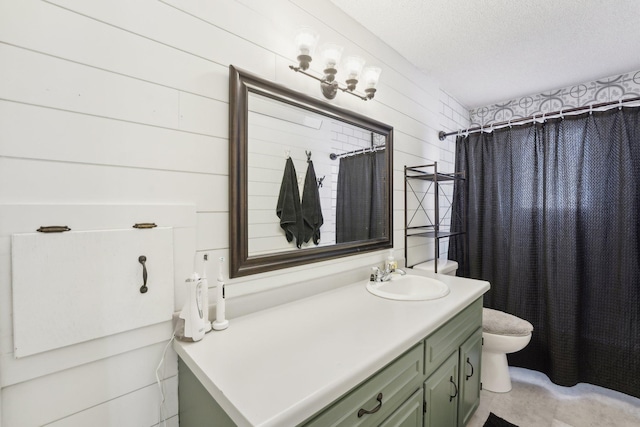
x=409 y=288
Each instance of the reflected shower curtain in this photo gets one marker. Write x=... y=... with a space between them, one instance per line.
x=553 y=223
x=360 y=205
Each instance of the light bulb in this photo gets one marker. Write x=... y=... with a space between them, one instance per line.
x=331 y=53
x=371 y=75
x=306 y=41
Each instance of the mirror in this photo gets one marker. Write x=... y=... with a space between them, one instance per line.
x=308 y=181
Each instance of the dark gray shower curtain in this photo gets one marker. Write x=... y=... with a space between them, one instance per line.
x=360 y=205
x=553 y=223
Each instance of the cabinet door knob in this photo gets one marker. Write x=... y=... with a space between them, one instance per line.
x=471 y=374
x=455 y=387
x=363 y=411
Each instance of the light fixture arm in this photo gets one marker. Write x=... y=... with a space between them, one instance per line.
x=329 y=88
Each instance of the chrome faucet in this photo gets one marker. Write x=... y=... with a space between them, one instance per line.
x=378 y=275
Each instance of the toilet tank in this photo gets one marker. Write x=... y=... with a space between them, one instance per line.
x=445 y=266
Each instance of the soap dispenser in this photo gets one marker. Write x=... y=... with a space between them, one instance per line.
x=390 y=264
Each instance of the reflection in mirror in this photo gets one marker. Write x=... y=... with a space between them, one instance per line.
x=308 y=181
x=348 y=174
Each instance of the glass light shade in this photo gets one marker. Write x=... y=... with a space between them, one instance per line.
x=331 y=54
x=306 y=41
x=370 y=76
x=353 y=66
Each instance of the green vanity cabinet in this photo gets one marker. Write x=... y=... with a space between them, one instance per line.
x=436 y=383
x=452 y=366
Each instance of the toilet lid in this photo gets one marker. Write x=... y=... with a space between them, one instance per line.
x=500 y=323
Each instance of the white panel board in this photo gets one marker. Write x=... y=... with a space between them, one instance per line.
x=138 y=408
x=76 y=286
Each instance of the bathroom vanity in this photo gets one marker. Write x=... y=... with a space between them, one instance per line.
x=340 y=358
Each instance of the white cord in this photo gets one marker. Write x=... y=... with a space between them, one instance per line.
x=160 y=384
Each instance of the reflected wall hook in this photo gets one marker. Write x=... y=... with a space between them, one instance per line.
x=142 y=260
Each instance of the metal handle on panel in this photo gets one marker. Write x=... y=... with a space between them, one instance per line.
x=53 y=229
x=471 y=374
x=362 y=412
x=142 y=260
x=456 y=388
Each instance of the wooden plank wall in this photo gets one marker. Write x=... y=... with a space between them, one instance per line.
x=125 y=102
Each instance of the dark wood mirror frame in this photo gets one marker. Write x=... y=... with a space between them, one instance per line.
x=241 y=83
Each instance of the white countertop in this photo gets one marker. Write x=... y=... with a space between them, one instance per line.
x=280 y=366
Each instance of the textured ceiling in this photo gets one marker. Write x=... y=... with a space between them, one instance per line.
x=487 y=51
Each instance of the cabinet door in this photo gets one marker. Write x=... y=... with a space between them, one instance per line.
x=409 y=414
x=441 y=394
x=469 y=380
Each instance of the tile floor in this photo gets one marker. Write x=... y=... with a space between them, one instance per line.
x=535 y=401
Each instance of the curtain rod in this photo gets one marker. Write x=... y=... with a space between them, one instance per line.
x=442 y=135
x=334 y=156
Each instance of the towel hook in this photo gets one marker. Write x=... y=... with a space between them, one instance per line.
x=319 y=180
x=308 y=153
x=142 y=260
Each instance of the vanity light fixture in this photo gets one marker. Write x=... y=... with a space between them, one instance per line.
x=306 y=41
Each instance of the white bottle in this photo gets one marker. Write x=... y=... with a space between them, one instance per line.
x=220 y=323
x=390 y=264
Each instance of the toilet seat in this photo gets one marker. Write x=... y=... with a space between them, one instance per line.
x=500 y=323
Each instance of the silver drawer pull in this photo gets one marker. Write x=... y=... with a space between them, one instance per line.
x=362 y=412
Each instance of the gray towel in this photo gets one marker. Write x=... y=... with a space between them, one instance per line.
x=289 y=209
x=311 y=208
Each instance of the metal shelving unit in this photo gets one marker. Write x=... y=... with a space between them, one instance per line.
x=433 y=226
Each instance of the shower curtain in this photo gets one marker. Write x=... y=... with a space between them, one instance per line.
x=360 y=205
x=553 y=223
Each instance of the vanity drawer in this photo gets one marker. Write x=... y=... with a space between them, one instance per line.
x=447 y=339
x=387 y=389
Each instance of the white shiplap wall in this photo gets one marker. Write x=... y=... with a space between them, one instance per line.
x=126 y=102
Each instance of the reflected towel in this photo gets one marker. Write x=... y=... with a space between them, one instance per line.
x=289 y=209
x=311 y=208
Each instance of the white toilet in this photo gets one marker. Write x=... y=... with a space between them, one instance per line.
x=502 y=333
